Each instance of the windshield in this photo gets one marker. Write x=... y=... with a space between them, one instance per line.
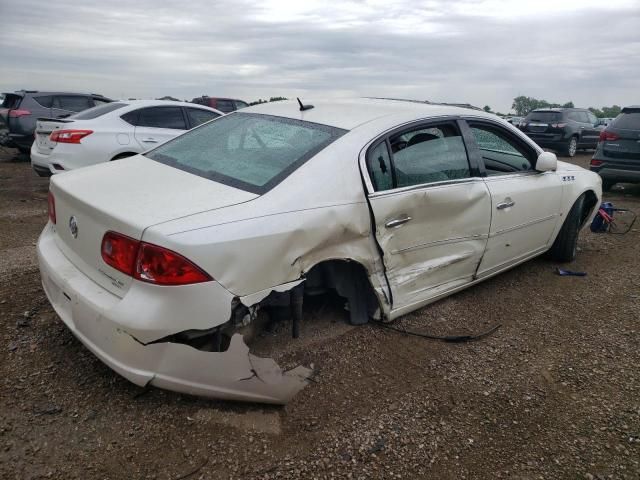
x=98 y=111
x=246 y=150
x=630 y=121
x=543 y=117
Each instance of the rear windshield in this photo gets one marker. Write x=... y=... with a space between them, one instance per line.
x=98 y=111
x=246 y=150
x=11 y=100
x=627 y=120
x=543 y=117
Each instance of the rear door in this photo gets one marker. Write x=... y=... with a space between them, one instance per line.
x=156 y=125
x=591 y=130
x=525 y=204
x=432 y=210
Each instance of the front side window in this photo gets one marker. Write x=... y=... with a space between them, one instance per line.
x=247 y=151
x=198 y=116
x=162 y=117
x=427 y=155
x=501 y=153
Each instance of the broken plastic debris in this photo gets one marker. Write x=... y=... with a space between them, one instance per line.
x=570 y=273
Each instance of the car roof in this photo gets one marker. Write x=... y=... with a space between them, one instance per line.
x=160 y=103
x=38 y=92
x=351 y=113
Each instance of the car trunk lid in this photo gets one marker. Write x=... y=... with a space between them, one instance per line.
x=44 y=127
x=127 y=197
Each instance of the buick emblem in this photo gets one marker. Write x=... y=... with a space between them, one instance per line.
x=73 y=226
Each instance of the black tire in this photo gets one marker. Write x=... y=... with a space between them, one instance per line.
x=607 y=185
x=565 y=247
x=25 y=150
x=571 y=147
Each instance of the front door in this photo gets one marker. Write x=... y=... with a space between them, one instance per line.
x=432 y=210
x=525 y=204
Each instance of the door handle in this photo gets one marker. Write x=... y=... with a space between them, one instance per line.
x=506 y=203
x=149 y=140
x=396 y=222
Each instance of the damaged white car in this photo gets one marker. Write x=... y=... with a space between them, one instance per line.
x=159 y=261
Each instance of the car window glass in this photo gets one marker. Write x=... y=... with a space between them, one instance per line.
x=72 y=103
x=162 y=117
x=197 y=116
x=501 y=153
x=99 y=101
x=224 y=105
x=428 y=155
x=131 y=117
x=380 y=168
x=240 y=104
x=584 y=118
x=45 y=101
x=98 y=111
x=629 y=121
x=592 y=119
x=575 y=116
x=247 y=151
x=543 y=117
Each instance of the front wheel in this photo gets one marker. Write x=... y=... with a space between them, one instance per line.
x=565 y=248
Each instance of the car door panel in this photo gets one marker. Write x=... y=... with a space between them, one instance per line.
x=156 y=125
x=441 y=245
x=525 y=210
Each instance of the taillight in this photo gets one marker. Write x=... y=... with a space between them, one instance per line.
x=558 y=125
x=120 y=251
x=596 y=163
x=607 y=136
x=163 y=267
x=69 y=136
x=51 y=203
x=18 y=113
x=149 y=263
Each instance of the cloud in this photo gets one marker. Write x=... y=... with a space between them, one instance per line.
x=476 y=51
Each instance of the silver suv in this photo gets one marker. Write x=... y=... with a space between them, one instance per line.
x=20 y=110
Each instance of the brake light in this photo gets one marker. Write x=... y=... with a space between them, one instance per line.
x=149 y=263
x=163 y=267
x=558 y=125
x=596 y=163
x=69 y=136
x=607 y=136
x=51 y=207
x=119 y=251
x=18 y=113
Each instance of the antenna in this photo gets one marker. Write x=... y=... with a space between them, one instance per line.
x=303 y=107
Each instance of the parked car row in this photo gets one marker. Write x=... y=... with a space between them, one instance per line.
x=110 y=132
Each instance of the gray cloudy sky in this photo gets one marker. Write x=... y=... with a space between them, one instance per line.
x=476 y=51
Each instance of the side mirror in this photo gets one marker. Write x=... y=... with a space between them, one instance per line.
x=547 y=162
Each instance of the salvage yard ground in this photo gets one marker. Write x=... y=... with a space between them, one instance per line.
x=554 y=393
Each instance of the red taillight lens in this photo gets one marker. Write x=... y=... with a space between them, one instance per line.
x=149 y=263
x=69 y=136
x=606 y=136
x=120 y=251
x=596 y=163
x=18 y=113
x=163 y=267
x=52 y=208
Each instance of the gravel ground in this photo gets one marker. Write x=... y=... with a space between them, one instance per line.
x=554 y=393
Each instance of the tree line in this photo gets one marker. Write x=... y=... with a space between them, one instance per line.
x=522 y=105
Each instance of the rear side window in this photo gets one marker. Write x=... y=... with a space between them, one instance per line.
x=247 y=151
x=100 y=101
x=45 y=101
x=225 y=106
x=501 y=153
x=162 y=117
x=72 y=103
x=432 y=154
x=240 y=104
x=543 y=117
x=626 y=120
x=11 y=100
x=198 y=116
x=380 y=168
x=98 y=111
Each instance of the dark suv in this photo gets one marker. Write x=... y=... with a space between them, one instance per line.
x=225 y=105
x=19 y=112
x=562 y=129
x=617 y=158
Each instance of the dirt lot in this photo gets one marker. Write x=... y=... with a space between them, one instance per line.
x=554 y=393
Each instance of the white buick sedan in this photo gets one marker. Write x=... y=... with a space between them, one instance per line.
x=110 y=132
x=158 y=262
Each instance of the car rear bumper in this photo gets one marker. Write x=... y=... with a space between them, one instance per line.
x=548 y=141
x=618 y=174
x=128 y=334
